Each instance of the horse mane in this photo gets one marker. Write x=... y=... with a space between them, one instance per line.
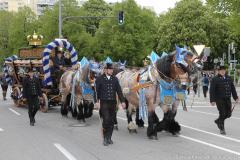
x=164 y=64
x=85 y=73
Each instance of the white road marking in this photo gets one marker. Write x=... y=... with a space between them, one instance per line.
x=67 y=154
x=210 y=145
x=202 y=142
x=218 y=135
x=14 y=111
x=1 y=130
x=210 y=113
x=199 y=106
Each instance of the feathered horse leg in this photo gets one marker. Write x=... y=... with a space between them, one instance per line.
x=168 y=122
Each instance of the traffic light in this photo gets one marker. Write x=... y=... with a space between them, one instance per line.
x=120 y=17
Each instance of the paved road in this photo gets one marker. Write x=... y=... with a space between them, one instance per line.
x=54 y=138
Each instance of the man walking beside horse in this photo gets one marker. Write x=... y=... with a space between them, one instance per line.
x=107 y=87
x=221 y=89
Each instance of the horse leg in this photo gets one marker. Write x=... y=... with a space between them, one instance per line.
x=152 y=126
x=131 y=126
x=88 y=109
x=176 y=126
x=138 y=121
x=168 y=122
x=80 y=115
x=64 y=110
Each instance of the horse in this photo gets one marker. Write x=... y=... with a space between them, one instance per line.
x=72 y=87
x=165 y=71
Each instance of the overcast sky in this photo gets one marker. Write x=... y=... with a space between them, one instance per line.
x=158 y=5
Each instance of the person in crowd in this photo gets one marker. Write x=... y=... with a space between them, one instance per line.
x=221 y=89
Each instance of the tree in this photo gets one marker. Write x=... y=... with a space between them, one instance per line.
x=5 y=21
x=22 y=25
x=230 y=9
x=190 y=23
x=131 y=41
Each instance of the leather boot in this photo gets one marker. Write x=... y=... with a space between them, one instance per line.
x=4 y=96
x=222 y=130
x=105 y=140
x=109 y=136
x=218 y=124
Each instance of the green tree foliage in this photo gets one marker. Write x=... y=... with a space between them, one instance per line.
x=131 y=41
x=190 y=23
x=230 y=9
x=5 y=21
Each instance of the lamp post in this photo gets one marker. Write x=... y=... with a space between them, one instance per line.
x=60 y=18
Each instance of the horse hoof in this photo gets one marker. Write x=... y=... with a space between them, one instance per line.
x=153 y=137
x=132 y=131
x=115 y=127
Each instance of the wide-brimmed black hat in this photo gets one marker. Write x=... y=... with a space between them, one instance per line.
x=221 y=68
x=109 y=66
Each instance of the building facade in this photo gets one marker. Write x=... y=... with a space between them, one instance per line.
x=37 y=6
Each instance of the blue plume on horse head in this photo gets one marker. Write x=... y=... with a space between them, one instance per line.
x=181 y=53
x=154 y=57
x=122 y=65
x=108 y=60
x=84 y=62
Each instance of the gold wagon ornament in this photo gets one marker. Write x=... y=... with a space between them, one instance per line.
x=35 y=40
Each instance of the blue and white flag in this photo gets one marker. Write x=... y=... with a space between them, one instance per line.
x=108 y=60
x=84 y=62
x=154 y=57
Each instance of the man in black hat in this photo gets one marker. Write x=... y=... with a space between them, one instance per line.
x=221 y=89
x=32 y=93
x=108 y=88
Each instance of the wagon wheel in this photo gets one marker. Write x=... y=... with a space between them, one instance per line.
x=44 y=103
x=15 y=96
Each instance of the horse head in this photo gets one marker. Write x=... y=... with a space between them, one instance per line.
x=176 y=67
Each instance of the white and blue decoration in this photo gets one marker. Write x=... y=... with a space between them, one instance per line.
x=154 y=57
x=46 y=54
x=181 y=55
x=163 y=55
x=5 y=68
x=108 y=60
x=84 y=62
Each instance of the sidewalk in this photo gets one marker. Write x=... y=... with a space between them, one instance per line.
x=200 y=100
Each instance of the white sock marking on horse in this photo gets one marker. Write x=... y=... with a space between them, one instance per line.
x=1 y=130
x=67 y=154
x=15 y=112
x=210 y=113
x=218 y=135
x=210 y=145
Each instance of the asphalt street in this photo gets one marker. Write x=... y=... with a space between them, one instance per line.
x=57 y=138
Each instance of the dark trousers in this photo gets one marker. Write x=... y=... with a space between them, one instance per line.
x=205 y=89
x=33 y=106
x=224 y=106
x=108 y=114
x=195 y=89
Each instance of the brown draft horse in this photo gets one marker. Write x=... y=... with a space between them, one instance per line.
x=71 y=88
x=166 y=69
